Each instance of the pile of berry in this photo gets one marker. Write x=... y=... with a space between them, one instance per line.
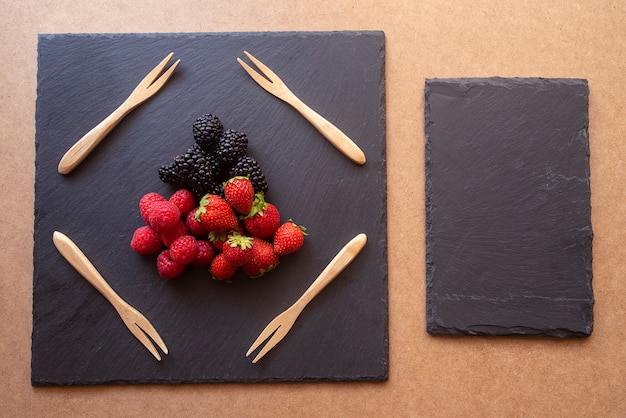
x=240 y=231
x=216 y=156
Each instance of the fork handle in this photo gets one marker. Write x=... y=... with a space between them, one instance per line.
x=333 y=134
x=79 y=151
x=81 y=263
x=332 y=270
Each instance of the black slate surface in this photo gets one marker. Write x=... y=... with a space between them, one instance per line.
x=508 y=228
x=208 y=326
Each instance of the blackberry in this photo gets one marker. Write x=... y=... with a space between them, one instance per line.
x=248 y=166
x=231 y=147
x=193 y=170
x=207 y=131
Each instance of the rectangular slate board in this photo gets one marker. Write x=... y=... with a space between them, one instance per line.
x=78 y=339
x=508 y=223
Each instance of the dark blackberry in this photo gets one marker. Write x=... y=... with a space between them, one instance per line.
x=231 y=146
x=248 y=166
x=193 y=170
x=207 y=131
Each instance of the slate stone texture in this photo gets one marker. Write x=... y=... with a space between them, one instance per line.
x=78 y=338
x=508 y=213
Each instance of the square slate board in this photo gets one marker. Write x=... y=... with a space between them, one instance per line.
x=508 y=220
x=78 y=339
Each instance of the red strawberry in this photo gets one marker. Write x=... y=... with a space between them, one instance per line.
x=221 y=269
x=146 y=241
x=288 y=238
x=146 y=201
x=216 y=214
x=206 y=252
x=237 y=249
x=263 y=219
x=218 y=239
x=239 y=193
x=163 y=216
x=263 y=259
x=184 y=200
x=184 y=249
x=194 y=226
x=168 y=268
x=171 y=234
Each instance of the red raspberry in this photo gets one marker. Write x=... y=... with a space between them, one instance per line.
x=221 y=269
x=184 y=249
x=195 y=226
x=145 y=202
x=163 y=216
x=146 y=241
x=206 y=252
x=184 y=200
x=178 y=231
x=168 y=268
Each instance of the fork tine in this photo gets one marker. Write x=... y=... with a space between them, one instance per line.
x=156 y=86
x=139 y=334
x=276 y=338
x=264 y=69
x=147 y=328
x=262 y=81
x=152 y=75
x=264 y=335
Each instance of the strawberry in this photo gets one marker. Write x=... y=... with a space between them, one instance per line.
x=205 y=255
x=168 y=268
x=288 y=238
x=218 y=239
x=146 y=241
x=263 y=259
x=184 y=249
x=184 y=200
x=239 y=193
x=146 y=201
x=194 y=226
x=221 y=269
x=237 y=249
x=216 y=214
x=263 y=219
x=163 y=216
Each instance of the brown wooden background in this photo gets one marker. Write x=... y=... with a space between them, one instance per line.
x=428 y=376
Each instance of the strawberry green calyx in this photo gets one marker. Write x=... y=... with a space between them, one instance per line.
x=258 y=206
x=233 y=179
x=237 y=240
x=203 y=204
x=302 y=228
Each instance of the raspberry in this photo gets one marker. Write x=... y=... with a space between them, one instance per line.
x=184 y=249
x=163 y=216
x=168 y=268
x=146 y=201
x=184 y=200
x=170 y=235
x=206 y=252
x=195 y=227
x=146 y=241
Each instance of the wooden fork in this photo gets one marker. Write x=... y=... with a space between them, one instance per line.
x=144 y=90
x=275 y=86
x=281 y=325
x=134 y=320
